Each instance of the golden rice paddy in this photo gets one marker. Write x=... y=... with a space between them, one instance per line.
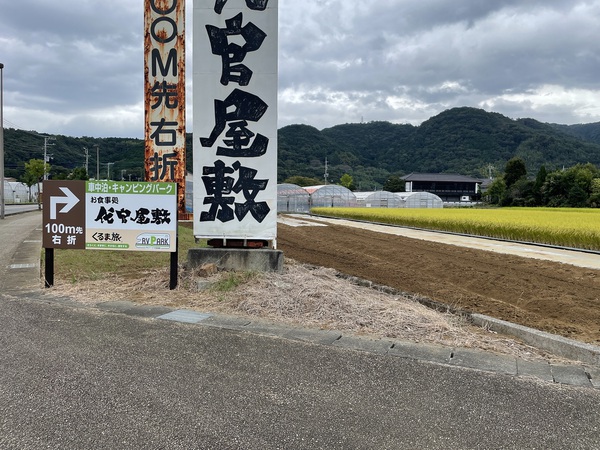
x=568 y=227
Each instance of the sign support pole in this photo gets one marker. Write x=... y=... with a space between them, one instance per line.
x=175 y=255
x=174 y=266
x=49 y=267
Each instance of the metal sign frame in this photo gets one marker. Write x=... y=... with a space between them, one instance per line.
x=109 y=215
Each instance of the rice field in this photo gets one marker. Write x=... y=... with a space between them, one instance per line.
x=568 y=227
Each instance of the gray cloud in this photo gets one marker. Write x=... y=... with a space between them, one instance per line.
x=76 y=67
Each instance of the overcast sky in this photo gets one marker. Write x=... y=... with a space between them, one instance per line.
x=75 y=67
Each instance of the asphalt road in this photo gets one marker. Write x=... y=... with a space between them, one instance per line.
x=77 y=377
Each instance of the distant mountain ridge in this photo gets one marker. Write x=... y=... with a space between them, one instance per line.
x=586 y=131
x=463 y=140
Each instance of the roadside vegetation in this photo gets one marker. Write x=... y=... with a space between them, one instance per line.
x=569 y=227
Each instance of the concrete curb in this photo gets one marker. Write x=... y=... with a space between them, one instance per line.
x=465 y=358
x=557 y=345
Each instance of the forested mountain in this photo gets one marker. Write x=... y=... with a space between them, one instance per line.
x=465 y=140
x=586 y=131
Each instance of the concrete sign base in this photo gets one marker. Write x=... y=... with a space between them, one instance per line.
x=252 y=260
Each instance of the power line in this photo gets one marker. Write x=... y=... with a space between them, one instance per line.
x=20 y=128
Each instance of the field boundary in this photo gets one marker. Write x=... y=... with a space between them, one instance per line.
x=557 y=345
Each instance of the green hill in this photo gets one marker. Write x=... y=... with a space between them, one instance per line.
x=586 y=131
x=464 y=140
x=467 y=141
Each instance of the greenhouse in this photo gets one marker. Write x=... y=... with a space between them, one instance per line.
x=292 y=198
x=15 y=192
x=331 y=195
x=420 y=200
x=378 y=199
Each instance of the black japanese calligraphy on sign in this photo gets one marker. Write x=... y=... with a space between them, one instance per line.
x=159 y=164
x=170 y=135
x=232 y=53
x=143 y=216
x=165 y=92
x=219 y=187
x=218 y=183
x=248 y=107
x=105 y=215
x=160 y=216
x=250 y=188
x=256 y=5
x=123 y=215
x=234 y=189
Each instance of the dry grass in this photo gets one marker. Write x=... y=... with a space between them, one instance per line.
x=302 y=295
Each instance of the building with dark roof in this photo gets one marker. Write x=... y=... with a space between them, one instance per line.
x=449 y=187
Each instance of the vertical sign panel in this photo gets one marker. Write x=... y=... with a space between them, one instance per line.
x=64 y=214
x=164 y=93
x=235 y=119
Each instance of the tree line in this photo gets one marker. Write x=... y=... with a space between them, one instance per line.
x=577 y=186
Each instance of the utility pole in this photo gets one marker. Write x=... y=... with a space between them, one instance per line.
x=97 y=162
x=46 y=156
x=326 y=175
x=108 y=170
x=87 y=158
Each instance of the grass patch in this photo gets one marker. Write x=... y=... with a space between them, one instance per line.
x=232 y=280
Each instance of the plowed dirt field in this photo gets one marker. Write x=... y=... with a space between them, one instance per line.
x=553 y=297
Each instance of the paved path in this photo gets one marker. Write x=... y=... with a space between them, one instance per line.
x=120 y=375
x=20 y=251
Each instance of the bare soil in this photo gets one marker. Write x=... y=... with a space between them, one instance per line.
x=553 y=297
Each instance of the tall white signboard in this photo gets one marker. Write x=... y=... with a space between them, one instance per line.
x=235 y=119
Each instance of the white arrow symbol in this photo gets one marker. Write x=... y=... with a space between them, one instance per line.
x=69 y=201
